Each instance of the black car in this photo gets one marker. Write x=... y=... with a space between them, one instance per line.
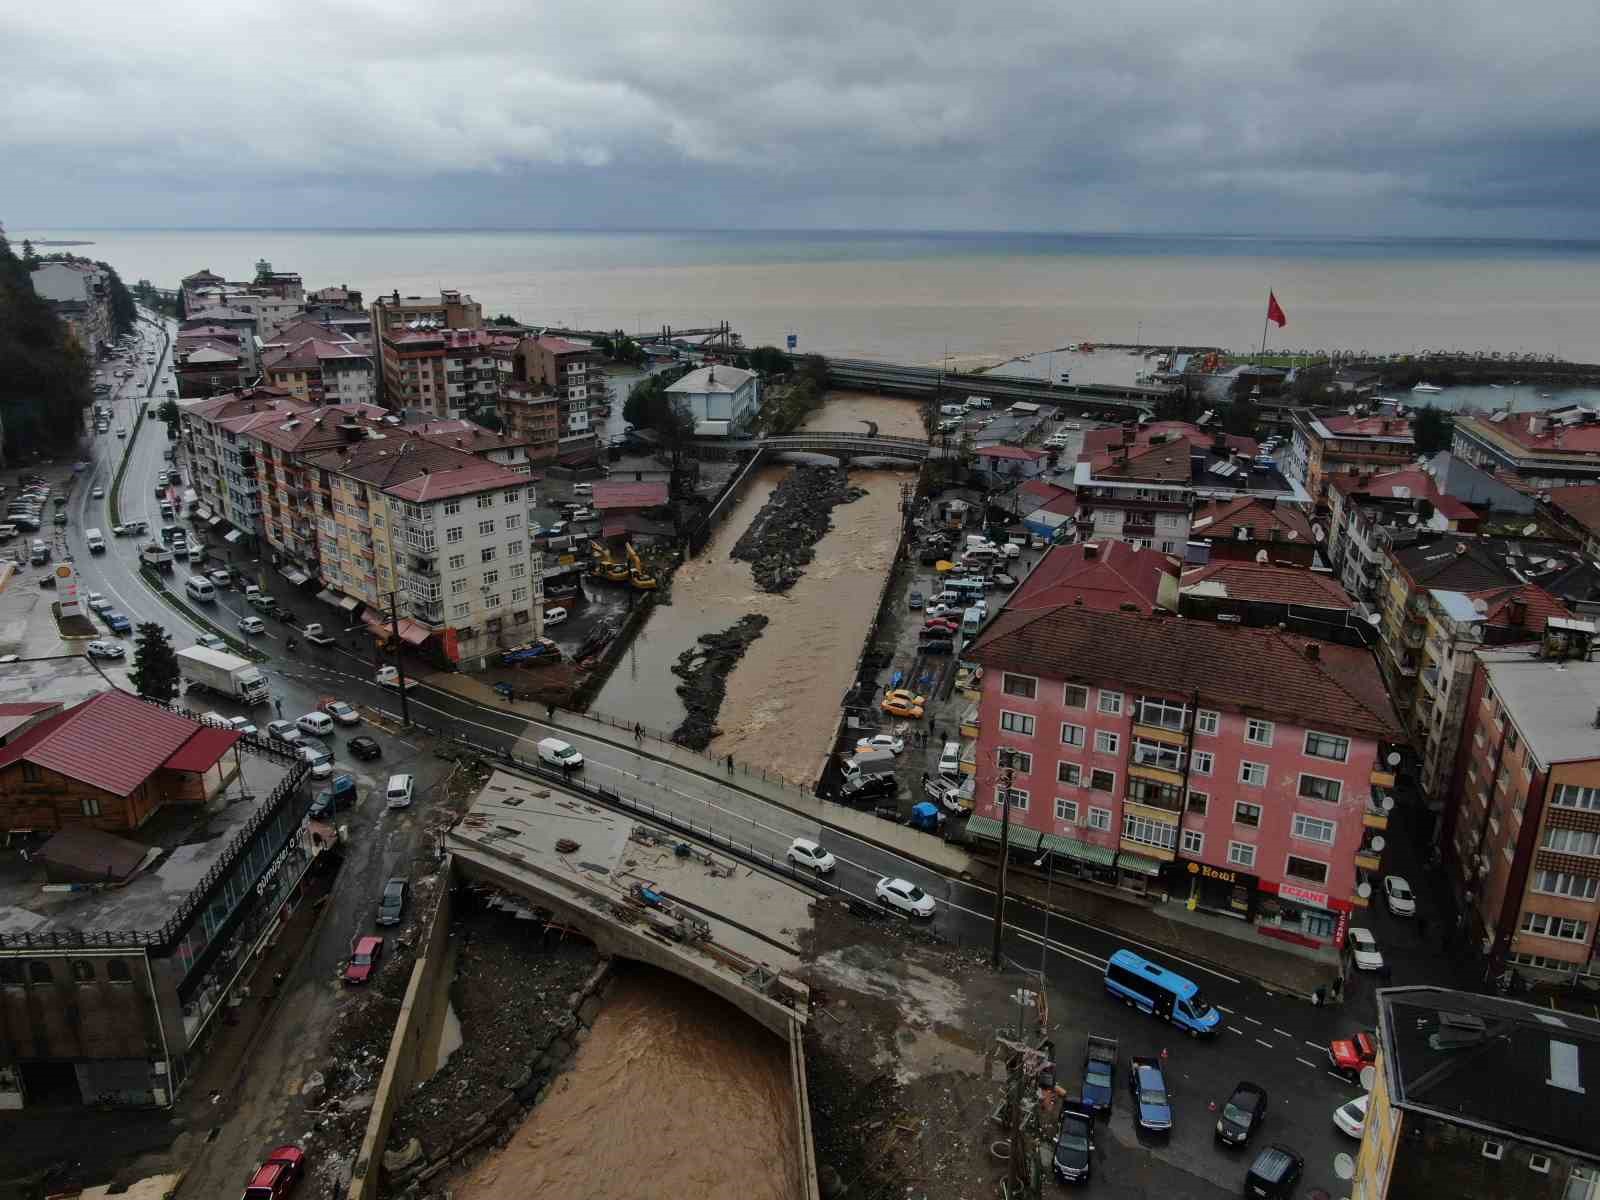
x=1274 y=1173
x=1242 y=1114
x=868 y=786
x=365 y=748
x=1074 y=1145
x=393 y=905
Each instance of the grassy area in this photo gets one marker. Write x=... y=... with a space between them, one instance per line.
x=115 y=507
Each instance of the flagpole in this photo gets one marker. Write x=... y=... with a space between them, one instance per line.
x=1264 y=322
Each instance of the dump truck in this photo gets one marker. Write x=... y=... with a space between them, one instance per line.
x=1099 y=1072
x=222 y=674
x=156 y=556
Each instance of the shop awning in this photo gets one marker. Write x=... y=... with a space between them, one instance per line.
x=327 y=596
x=295 y=576
x=215 y=521
x=233 y=535
x=203 y=512
x=1099 y=856
x=349 y=603
x=1138 y=863
x=988 y=829
x=413 y=633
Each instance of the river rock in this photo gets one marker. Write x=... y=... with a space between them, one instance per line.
x=399 y=1160
x=782 y=538
x=704 y=670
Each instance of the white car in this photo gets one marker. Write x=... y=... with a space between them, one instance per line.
x=252 y=625
x=1364 y=947
x=284 y=731
x=211 y=641
x=554 y=616
x=99 y=493
x=803 y=852
x=219 y=577
x=881 y=741
x=939 y=610
x=906 y=896
x=398 y=793
x=1397 y=894
x=103 y=649
x=342 y=712
x=242 y=725
x=317 y=724
x=1351 y=1118
x=97 y=602
x=216 y=720
x=320 y=760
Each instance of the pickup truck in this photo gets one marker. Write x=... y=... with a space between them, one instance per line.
x=316 y=635
x=389 y=677
x=1099 y=1072
x=1349 y=1055
x=1152 y=1103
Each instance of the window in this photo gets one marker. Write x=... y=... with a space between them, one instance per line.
x=1314 y=829
x=83 y=970
x=490 y=578
x=1072 y=735
x=512 y=495
x=1572 y=841
x=487 y=554
x=1201 y=762
x=1148 y=832
x=1106 y=743
x=1568 y=929
x=1066 y=810
x=1069 y=773
x=1539 y=1163
x=1241 y=854
x=518 y=570
x=513 y=520
x=1100 y=818
x=1563 y=883
x=117 y=971
x=458 y=586
x=30 y=772
x=1571 y=796
x=486 y=501
x=1019 y=799
x=1308 y=869
x=453 y=534
x=452 y=507
x=1163 y=714
x=518 y=595
x=485 y=528
x=1325 y=745
x=457 y=561
x=1157 y=754
x=1019 y=685
x=1582 y=1184
x=1102 y=781
x=1258 y=732
x=1198 y=803
x=1314 y=787
x=460 y=610
x=1110 y=702
x=1494 y=1150
x=1245 y=813
x=91 y=806
x=1253 y=773
x=492 y=600
x=1207 y=722
x=1021 y=762
x=1194 y=842
x=1074 y=696
x=1017 y=723
x=39 y=971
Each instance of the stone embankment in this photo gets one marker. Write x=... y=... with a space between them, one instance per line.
x=783 y=537
x=704 y=669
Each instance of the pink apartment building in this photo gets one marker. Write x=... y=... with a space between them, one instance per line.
x=1238 y=769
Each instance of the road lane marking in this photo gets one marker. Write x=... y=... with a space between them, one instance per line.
x=1312 y=1065
x=1282 y=1032
x=1252 y=1020
x=1315 y=1045
x=1340 y=1078
x=1237 y=1030
x=1225 y=1009
x=1268 y=1045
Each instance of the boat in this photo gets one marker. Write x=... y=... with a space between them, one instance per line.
x=1499 y=387
x=1427 y=387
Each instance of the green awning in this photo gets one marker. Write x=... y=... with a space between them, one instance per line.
x=988 y=829
x=1099 y=856
x=1129 y=861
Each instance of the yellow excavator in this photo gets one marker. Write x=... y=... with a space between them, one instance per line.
x=603 y=566
x=637 y=575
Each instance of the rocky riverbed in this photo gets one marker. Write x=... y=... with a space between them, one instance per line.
x=783 y=537
x=704 y=669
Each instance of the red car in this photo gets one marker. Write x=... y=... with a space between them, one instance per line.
x=365 y=960
x=276 y=1177
x=940 y=625
x=1349 y=1055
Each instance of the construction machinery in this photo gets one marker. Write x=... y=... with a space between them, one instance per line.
x=641 y=580
x=603 y=566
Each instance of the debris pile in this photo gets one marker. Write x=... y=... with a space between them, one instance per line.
x=704 y=669
x=783 y=537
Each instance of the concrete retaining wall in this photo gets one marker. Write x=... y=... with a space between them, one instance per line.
x=415 y=1041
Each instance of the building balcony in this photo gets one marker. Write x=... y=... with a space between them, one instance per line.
x=1413 y=635
x=1172 y=778
x=1368 y=859
x=1157 y=852
x=1160 y=733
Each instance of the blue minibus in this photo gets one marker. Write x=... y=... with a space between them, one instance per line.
x=1154 y=989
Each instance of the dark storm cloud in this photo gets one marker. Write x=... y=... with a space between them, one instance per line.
x=1346 y=117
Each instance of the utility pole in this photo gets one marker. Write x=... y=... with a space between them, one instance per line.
x=1006 y=776
x=399 y=659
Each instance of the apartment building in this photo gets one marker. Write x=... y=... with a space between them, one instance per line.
x=1254 y=529
x=272 y=299
x=1254 y=593
x=1241 y=769
x=1345 y=444
x=450 y=309
x=80 y=294
x=575 y=374
x=1548 y=449
x=1522 y=831
x=531 y=417
x=722 y=400
x=1479 y=1096
x=235 y=321
x=506 y=449
x=207 y=359
x=1372 y=514
x=442 y=372
x=320 y=365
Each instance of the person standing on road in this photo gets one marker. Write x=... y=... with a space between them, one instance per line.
x=730 y=764
x=638 y=733
x=278 y=704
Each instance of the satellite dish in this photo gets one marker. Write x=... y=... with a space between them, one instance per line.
x=1364 y=889
x=1530 y=529
x=1394 y=755
x=1344 y=1166
x=1378 y=844
x=1369 y=1076
x=1412 y=519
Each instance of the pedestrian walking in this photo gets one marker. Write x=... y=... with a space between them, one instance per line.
x=550 y=712
x=638 y=732
x=730 y=764
x=278 y=704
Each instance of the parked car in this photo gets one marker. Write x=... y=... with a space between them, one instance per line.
x=1242 y=1114
x=1364 y=949
x=98 y=493
x=1350 y=1055
x=243 y=725
x=315 y=724
x=341 y=712
x=881 y=741
x=1152 y=1104
x=1274 y=1174
x=915 y=600
x=221 y=577
x=868 y=785
x=251 y=625
x=392 y=904
x=283 y=731
x=906 y=896
x=211 y=642
x=1397 y=894
x=398 y=793
x=1074 y=1153
x=555 y=615
x=116 y=622
x=903 y=703
x=104 y=649
x=97 y=602
x=1351 y=1118
x=803 y=852
x=365 y=748
x=318 y=759
x=276 y=1176
x=365 y=960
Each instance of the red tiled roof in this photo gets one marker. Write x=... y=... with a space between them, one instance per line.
x=1012 y=452
x=1224 y=518
x=203 y=750
x=647 y=494
x=1225 y=666
x=1581 y=502
x=476 y=476
x=27 y=709
x=1411 y=482
x=1268 y=583
x=1098 y=575
x=1582 y=438
x=556 y=345
x=1538 y=606
x=111 y=741
x=1100 y=441
x=1349 y=426
x=1164 y=463
x=1064 y=505
x=1042 y=491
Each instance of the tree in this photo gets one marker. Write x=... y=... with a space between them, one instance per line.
x=168 y=412
x=768 y=360
x=504 y=319
x=123 y=310
x=30 y=256
x=44 y=373
x=155 y=664
x=646 y=406
x=1433 y=429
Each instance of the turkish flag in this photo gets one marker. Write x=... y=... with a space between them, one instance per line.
x=1275 y=311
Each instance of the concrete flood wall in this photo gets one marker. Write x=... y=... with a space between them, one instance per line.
x=415 y=1041
x=731 y=495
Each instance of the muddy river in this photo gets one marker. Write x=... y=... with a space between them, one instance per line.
x=675 y=1093
x=783 y=698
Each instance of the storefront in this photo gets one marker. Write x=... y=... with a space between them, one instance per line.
x=1136 y=872
x=1075 y=859
x=1223 y=890
x=1301 y=913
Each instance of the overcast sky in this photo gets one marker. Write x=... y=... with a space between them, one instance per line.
x=1469 y=117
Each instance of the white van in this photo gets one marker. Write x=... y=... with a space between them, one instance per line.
x=556 y=753
x=200 y=589
x=95 y=540
x=971 y=621
x=876 y=759
x=583 y=489
x=979 y=402
x=952 y=410
x=555 y=615
x=950 y=760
